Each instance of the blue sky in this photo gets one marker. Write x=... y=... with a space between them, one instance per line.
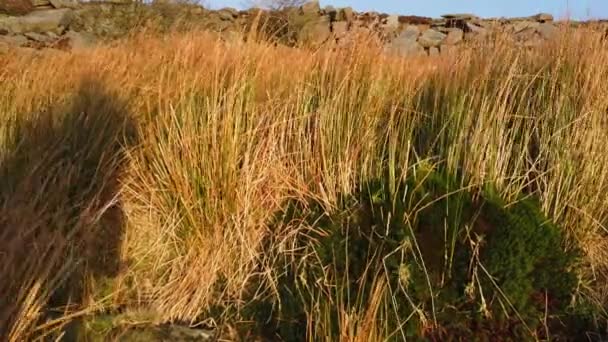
x=577 y=9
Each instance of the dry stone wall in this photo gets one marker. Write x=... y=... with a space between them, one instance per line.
x=65 y=24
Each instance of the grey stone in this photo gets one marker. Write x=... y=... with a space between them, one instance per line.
x=476 y=29
x=340 y=28
x=331 y=10
x=80 y=40
x=315 y=32
x=454 y=36
x=406 y=43
x=54 y=21
x=434 y=51
x=522 y=25
x=37 y=37
x=40 y=3
x=346 y=14
x=392 y=22
x=543 y=17
x=547 y=30
x=459 y=16
x=18 y=40
x=311 y=7
x=64 y=3
x=431 y=38
x=228 y=13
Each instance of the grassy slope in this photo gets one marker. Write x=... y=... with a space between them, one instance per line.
x=178 y=151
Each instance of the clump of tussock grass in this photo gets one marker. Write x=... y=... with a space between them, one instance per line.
x=233 y=131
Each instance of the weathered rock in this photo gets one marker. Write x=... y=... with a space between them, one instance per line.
x=18 y=40
x=522 y=25
x=331 y=12
x=434 y=51
x=228 y=13
x=315 y=32
x=392 y=22
x=37 y=37
x=345 y=14
x=55 y=21
x=547 y=30
x=64 y=3
x=459 y=16
x=543 y=17
x=39 y=3
x=80 y=40
x=431 y=38
x=454 y=36
x=476 y=29
x=406 y=43
x=340 y=28
x=311 y=7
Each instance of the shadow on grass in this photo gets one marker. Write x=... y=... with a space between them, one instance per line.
x=61 y=218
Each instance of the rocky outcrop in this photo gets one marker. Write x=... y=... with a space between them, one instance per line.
x=64 y=24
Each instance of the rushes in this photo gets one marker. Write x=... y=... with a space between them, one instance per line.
x=228 y=133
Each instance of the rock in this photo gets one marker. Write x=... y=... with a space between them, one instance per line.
x=14 y=40
x=16 y=7
x=40 y=3
x=64 y=3
x=345 y=14
x=37 y=37
x=543 y=17
x=406 y=43
x=454 y=36
x=180 y=333
x=331 y=12
x=476 y=29
x=55 y=21
x=340 y=28
x=547 y=30
x=459 y=16
x=526 y=35
x=522 y=25
x=311 y=7
x=80 y=40
x=433 y=51
x=315 y=32
x=392 y=22
x=431 y=38
x=228 y=13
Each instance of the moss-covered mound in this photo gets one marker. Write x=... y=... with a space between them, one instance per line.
x=429 y=260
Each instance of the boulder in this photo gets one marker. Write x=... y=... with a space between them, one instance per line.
x=454 y=36
x=80 y=40
x=55 y=21
x=522 y=25
x=315 y=32
x=431 y=38
x=406 y=43
x=18 y=40
x=64 y=3
x=331 y=12
x=38 y=37
x=340 y=28
x=543 y=17
x=392 y=22
x=41 y=3
x=228 y=13
x=434 y=51
x=345 y=14
x=459 y=16
x=311 y=7
x=547 y=30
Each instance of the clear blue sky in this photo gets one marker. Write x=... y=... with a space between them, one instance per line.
x=577 y=9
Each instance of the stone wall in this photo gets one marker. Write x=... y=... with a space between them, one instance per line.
x=65 y=24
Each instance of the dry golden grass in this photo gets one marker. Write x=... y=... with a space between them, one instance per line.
x=227 y=132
